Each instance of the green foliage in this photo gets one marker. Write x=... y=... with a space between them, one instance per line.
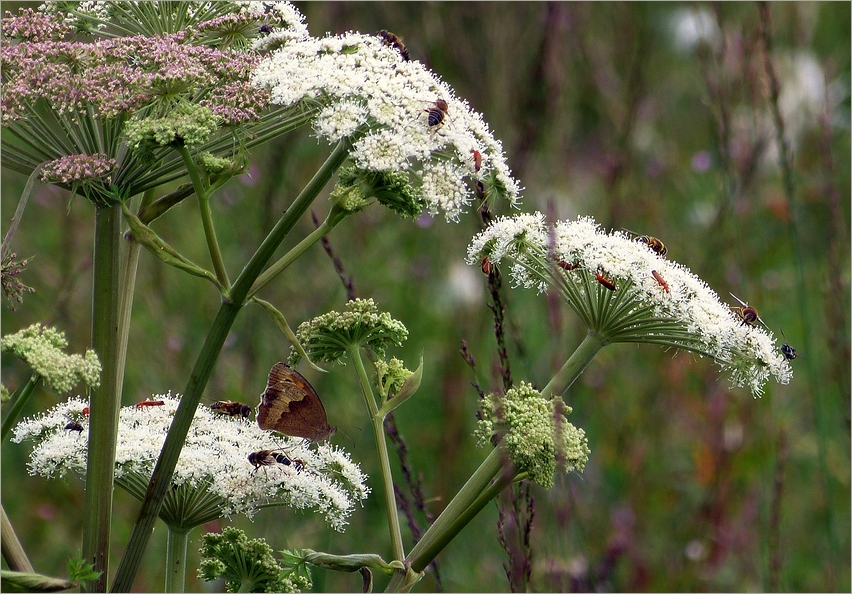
x=246 y=565
x=80 y=571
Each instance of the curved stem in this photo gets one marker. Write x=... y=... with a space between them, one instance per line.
x=176 y=560
x=203 y=368
x=382 y=447
x=24 y=392
x=574 y=366
x=203 y=194
x=454 y=517
x=282 y=263
x=13 y=551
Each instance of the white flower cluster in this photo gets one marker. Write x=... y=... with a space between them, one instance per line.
x=291 y=22
x=214 y=457
x=365 y=85
x=674 y=293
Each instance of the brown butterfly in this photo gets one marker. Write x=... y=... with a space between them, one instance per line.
x=291 y=406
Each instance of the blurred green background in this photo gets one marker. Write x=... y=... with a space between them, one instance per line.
x=652 y=117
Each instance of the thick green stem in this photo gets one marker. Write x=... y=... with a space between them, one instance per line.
x=574 y=366
x=105 y=400
x=454 y=517
x=382 y=448
x=203 y=194
x=13 y=552
x=161 y=478
x=23 y=396
x=280 y=265
x=176 y=548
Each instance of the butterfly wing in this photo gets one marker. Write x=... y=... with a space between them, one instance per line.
x=291 y=406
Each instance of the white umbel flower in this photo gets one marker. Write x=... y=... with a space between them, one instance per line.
x=393 y=104
x=654 y=299
x=214 y=460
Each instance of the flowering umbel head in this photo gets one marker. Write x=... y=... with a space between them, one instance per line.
x=41 y=347
x=178 y=72
x=214 y=476
x=535 y=432
x=328 y=337
x=626 y=292
x=400 y=116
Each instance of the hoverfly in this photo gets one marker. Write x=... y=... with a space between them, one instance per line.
x=660 y=280
x=437 y=112
x=74 y=426
x=745 y=312
x=786 y=350
x=605 y=281
x=231 y=408
x=654 y=244
x=394 y=41
x=270 y=457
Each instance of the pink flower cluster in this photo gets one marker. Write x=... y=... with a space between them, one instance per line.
x=78 y=168
x=29 y=25
x=125 y=74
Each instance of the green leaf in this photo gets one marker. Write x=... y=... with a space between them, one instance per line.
x=282 y=324
x=15 y=581
x=411 y=385
x=163 y=251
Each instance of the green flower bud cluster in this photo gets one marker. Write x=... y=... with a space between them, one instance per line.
x=245 y=565
x=41 y=347
x=391 y=375
x=213 y=164
x=391 y=188
x=187 y=124
x=535 y=431
x=329 y=336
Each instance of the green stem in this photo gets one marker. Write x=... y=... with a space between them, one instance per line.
x=574 y=366
x=382 y=447
x=280 y=265
x=454 y=517
x=126 y=293
x=13 y=551
x=203 y=194
x=105 y=400
x=480 y=489
x=161 y=478
x=24 y=392
x=176 y=548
